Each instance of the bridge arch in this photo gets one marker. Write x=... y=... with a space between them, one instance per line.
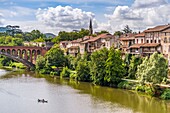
x=24 y=54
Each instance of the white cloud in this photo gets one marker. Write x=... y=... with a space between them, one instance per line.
x=17 y=12
x=64 y=17
x=148 y=3
x=140 y=15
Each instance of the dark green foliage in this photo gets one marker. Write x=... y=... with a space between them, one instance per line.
x=127 y=29
x=98 y=65
x=101 y=32
x=83 y=69
x=134 y=63
x=115 y=69
x=166 y=94
x=63 y=35
x=118 y=33
x=5 y=61
x=127 y=62
x=125 y=85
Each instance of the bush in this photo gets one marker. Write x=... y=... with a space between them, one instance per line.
x=140 y=88
x=54 y=73
x=166 y=94
x=149 y=90
x=73 y=75
x=65 y=72
x=125 y=85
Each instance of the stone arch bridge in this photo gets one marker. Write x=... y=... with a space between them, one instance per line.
x=24 y=54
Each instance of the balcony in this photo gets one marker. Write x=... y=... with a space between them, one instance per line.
x=149 y=51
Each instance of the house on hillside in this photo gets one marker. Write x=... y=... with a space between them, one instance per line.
x=96 y=43
x=88 y=44
x=126 y=40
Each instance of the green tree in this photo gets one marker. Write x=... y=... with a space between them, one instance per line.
x=65 y=72
x=97 y=66
x=115 y=69
x=102 y=32
x=83 y=70
x=134 y=63
x=127 y=29
x=40 y=63
x=39 y=40
x=55 y=57
x=118 y=33
x=153 y=70
x=17 y=41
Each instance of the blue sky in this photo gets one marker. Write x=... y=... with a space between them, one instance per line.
x=111 y=15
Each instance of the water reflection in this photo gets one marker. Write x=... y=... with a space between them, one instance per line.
x=102 y=99
x=124 y=98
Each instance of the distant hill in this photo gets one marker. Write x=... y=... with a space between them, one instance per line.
x=50 y=35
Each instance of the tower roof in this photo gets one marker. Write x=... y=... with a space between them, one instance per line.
x=91 y=27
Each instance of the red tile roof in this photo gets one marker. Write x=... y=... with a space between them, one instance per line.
x=158 y=28
x=151 y=45
x=126 y=39
x=136 y=45
x=106 y=35
x=140 y=35
x=166 y=31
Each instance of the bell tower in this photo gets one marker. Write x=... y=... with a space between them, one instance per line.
x=91 y=27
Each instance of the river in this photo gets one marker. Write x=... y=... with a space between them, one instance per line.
x=19 y=92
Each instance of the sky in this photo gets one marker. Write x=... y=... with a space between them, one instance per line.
x=67 y=15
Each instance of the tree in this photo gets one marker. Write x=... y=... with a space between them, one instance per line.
x=97 y=66
x=17 y=41
x=114 y=67
x=102 y=32
x=118 y=33
x=83 y=70
x=55 y=57
x=39 y=40
x=134 y=63
x=127 y=62
x=127 y=29
x=153 y=70
x=63 y=35
x=40 y=63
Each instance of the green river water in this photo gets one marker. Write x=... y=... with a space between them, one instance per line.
x=19 y=92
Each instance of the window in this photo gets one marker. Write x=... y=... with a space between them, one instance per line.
x=147 y=41
x=165 y=34
x=165 y=40
x=141 y=40
x=159 y=41
x=151 y=41
x=137 y=41
x=155 y=41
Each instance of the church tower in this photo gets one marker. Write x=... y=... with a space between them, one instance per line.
x=91 y=27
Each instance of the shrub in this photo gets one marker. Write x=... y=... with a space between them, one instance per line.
x=166 y=94
x=65 y=72
x=140 y=88
x=125 y=85
x=149 y=90
x=73 y=75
